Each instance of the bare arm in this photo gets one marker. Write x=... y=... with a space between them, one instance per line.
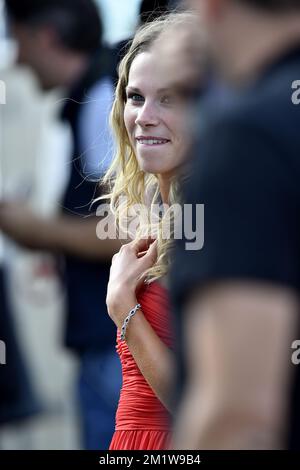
x=77 y=236
x=67 y=234
x=238 y=344
x=154 y=359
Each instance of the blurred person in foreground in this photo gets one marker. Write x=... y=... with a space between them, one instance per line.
x=237 y=298
x=61 y=41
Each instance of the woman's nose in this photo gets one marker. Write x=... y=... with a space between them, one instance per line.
x=147 y=116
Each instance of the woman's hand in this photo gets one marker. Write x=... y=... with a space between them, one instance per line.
x=127 y=275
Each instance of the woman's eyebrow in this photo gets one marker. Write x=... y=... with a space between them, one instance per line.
x=159 y=91
x=134 y=89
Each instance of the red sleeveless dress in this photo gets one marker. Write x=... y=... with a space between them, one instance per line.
x=142 y=422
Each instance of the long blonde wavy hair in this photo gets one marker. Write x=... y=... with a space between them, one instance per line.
x=127 y=184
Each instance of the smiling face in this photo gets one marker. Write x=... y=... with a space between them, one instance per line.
x=155 y=118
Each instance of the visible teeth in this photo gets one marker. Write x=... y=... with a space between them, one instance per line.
x=152 y=141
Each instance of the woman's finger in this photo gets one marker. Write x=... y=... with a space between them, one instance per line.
x=149 y=258
x=148 y=261
x=152 y=252
x=142 y=244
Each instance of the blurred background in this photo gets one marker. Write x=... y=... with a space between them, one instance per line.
x=34 y=150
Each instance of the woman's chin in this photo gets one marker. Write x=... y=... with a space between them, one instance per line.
x=149 y=167
x=152 y=165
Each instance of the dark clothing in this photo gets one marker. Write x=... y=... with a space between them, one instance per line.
x=88 y=325
x=121 y=48
x=17 y=400
x=246 y=172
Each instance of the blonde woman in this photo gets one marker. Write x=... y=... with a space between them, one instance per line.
x=148 y=120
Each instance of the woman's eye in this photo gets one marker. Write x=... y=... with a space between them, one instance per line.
x=136 y=98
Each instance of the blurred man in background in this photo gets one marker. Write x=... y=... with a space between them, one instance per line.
x=61 y=41
x=238 y=297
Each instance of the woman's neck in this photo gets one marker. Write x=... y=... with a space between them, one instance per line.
x=164 y=186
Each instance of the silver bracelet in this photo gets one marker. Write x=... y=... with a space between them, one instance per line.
x=127 y=319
